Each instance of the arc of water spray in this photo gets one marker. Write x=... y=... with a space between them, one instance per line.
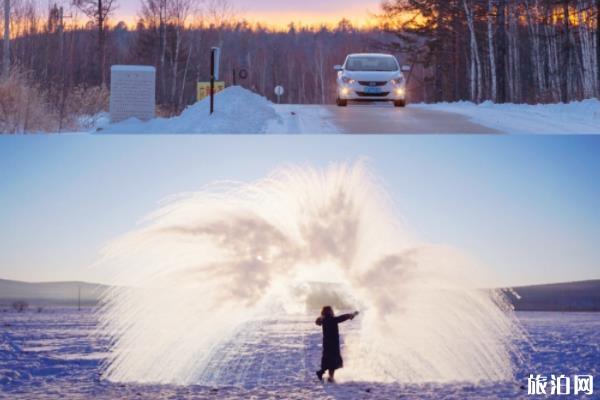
x=208 y=262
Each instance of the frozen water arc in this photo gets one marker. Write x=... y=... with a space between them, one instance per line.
x=206 y=263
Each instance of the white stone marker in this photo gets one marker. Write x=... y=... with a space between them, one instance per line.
x=132 y=92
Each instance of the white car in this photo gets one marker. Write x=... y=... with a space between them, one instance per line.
x=371 y=77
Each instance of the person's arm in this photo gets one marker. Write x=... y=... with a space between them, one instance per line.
x=345 y=317
x=319 y=321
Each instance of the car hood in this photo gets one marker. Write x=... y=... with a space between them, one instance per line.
x=372 y=75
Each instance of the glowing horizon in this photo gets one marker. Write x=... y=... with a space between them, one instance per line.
x=255 y=21
x=267 y=13
x=306 y=19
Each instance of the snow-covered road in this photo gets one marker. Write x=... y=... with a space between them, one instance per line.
x=443 y=118
x=372 y=119
x=240 y=111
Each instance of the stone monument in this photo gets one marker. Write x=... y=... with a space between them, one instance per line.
x=132 y=92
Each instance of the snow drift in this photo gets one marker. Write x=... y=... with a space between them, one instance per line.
x=237 y=110
x=579 y=117
x=207 y=263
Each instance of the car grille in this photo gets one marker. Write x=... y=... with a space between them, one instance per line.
x=381 y=94
x=372 y=83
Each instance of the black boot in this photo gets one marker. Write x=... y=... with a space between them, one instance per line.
x=320 y=375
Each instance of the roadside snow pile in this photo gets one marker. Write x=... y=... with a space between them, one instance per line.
x=575 y=117
x=237 y=110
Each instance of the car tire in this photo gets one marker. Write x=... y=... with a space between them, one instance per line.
x=341 y=103
x=399 y=103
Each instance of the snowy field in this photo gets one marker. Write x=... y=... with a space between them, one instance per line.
x=238 y=110
x=53 y=354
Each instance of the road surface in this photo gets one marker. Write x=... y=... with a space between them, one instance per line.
x=373 y=119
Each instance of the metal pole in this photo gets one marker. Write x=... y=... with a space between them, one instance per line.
x=234 y=83
x=212 y=81
x=79 y=298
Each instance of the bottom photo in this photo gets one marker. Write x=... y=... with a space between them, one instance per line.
x=314 y=267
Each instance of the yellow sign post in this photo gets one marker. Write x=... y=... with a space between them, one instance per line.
x=204 y=89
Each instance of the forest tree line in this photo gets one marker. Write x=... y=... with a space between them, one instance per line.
x=61 y=55
x=517 y=51
x=500 y=50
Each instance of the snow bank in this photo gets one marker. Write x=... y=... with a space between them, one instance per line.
x=237 y=110
x=581 y=117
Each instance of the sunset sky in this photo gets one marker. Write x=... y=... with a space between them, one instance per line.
x=281 y=13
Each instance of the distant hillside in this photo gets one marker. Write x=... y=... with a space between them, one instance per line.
x=572 y=296
x=50 y=293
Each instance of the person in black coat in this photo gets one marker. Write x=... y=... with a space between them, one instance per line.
x=332 y=358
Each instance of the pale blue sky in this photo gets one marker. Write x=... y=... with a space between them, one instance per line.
x=526 y=206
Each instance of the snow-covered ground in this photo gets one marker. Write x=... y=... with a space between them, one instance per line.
x=579 y=117
x=238 y=110
x=298 y=119
x=53 y=354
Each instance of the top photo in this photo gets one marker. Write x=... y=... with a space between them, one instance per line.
x=135 y=67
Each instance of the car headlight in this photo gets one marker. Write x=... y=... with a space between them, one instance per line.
x=396 y=81
x=345 y=79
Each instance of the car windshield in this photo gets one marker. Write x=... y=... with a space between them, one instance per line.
x=371 y=63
